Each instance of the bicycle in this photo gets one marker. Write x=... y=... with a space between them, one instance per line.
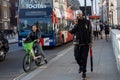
x=31 y=56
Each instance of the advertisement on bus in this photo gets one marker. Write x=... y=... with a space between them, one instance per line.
x=34 y=4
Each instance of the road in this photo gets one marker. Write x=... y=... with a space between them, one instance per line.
x=12 y=66
x=64 y=66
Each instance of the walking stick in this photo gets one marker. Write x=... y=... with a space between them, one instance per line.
x=91 y=59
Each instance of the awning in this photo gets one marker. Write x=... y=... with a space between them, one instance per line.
x=94 y=17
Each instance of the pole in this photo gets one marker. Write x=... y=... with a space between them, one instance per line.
x=92 y=6
x=95 y=8
x=85 y=9
x=112 y=18
x=102 y=10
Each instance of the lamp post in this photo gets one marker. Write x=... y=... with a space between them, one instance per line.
x=85 y=9
x=102 y=11
x=92 y=6
x=112 y=12
x=0 y=7
x=95 y=7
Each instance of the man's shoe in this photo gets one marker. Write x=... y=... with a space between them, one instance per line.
x=84 y=75
x=45 y=60
x=80 y=70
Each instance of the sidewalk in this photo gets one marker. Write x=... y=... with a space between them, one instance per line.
x=13 y=39
x=64 y=67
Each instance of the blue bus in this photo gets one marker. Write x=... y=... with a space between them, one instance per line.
x=40 y=12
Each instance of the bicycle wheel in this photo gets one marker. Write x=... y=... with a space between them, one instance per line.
x=38 y=60
x=27 y=63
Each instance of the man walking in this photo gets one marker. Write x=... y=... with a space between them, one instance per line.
x=107 y=31
x=83 y=32
x=97 y=28
x=101 y=29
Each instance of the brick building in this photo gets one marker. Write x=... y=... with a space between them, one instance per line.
x=13 y=12
x=4 y=15
x=14 y=4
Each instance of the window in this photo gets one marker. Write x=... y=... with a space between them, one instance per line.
x=0 y=25
x=0 y=11
x=10 y=4
x=44 y=24
x=64 y=1
x=5 y=25
x=60 y=1
x=0 y=2
x=4 y=3
x=56 y=0
x=5 y=13
x=16 y=4
x=16 y=14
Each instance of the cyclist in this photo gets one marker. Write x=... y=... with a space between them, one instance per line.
x=35 y=34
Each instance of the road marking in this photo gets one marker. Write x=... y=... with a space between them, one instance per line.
x=17 y=78
x=41 y=68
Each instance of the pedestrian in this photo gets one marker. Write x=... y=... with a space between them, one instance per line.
x=93 y=24
x=107 y=31
x=101 y=29
x=83 y=32
x=96 y=30
x=35 y=34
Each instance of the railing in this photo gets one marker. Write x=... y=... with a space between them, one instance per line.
x=115 y=36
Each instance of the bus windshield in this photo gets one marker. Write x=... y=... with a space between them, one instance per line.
x=45 y=25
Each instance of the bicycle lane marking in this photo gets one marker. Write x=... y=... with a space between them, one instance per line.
x=41 y=68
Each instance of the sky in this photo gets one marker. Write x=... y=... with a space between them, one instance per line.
x=89 y=4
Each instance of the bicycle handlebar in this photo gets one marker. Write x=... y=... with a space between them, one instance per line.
x=25 y=41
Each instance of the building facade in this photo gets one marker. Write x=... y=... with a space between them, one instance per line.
x=114 y=12
x=103 y=10
x=14 y=4
x=13 y=12
x=4 y=15
x=118 y=11
x=110 y=13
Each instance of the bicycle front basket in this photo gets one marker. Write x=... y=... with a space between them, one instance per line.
x=28 y=46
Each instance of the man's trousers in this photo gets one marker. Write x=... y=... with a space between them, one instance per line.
x=81 y=54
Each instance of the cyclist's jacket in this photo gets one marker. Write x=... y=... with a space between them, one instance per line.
x=83 y=31
x=34 y=35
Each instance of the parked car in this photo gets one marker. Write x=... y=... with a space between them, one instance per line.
x=114 y=26
x=118 y=27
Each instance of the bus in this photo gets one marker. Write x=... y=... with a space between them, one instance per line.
x=53 y=21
